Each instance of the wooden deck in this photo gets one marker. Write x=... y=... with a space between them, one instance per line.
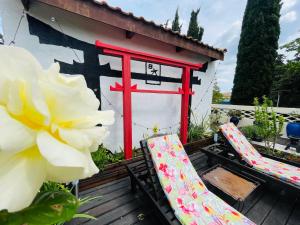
x=119 y=206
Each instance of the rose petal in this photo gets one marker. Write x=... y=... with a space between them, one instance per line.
x=100 y=117
x=63 y=174
x=68 y=174
x=84 y=139
x=14 y=136
x=27 y=65
x=20 y=178
x=28 y=68
x=76 y=138
x=98 y=134
x=26 y=101
x=14 y=101
x=92 y=168
x=75 y=82
x=71 y=103
x=58 y=153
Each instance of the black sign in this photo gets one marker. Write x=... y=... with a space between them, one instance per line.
x=153 y=73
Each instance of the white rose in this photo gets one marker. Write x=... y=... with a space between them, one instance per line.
x=47 y=127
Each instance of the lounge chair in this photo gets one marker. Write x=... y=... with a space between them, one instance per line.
x=173 y=178
x=246 y=152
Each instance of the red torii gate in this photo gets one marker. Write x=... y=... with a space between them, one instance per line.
x=127 y=55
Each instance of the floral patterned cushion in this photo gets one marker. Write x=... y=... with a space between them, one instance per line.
x=192 y=202
x=240 y=143
x=277 y=169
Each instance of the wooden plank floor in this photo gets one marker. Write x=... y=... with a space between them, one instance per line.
x=117 y=205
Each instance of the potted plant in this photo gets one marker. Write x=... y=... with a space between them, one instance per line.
x=293 y=132
x=235 y=116
x=268 y=124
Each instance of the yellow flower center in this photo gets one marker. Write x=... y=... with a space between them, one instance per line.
x=26 y=111
x=31 y=153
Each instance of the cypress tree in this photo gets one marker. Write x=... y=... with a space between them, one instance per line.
x=194 y=30
x=175 y=23
x=200 y=35
x=257 y=51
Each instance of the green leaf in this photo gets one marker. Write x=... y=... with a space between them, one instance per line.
x=47 y=208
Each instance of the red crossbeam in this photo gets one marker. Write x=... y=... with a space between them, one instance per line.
x=126 y=87
x=134 y=88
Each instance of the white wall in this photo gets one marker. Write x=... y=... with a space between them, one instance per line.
x=148 y=109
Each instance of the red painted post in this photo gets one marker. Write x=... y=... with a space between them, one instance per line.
x=185 y=104
x=126 y=88
x=127 y=114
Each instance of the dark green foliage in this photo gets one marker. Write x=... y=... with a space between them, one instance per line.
x=175 y=24
x=104 y=156
x=214 y=120
x=288 y=85
x=251 y=132
x=194 y=30
x=197 y=132
x=53 y=186
x=279 y=154
x=287 y=77
x=201 y=32
x=198 y=129
x=47 y=208
x=235 y=113
x=257 y=51
x=293 y=46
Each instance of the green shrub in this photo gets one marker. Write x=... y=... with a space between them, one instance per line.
x=248 y=131
x=268 y=124
x=279 y=154
x=251 y=132
x=214 y=121
x=53 y=186
x=104 y=156
x=198 y=130
x=235 y=113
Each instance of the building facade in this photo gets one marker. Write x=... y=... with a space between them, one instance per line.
x=56 y=32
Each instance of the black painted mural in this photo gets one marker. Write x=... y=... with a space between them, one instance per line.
x=90 y=67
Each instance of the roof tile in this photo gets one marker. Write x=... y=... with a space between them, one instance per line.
x=160 y=26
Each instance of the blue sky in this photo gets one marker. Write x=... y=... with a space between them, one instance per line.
x=221 y=19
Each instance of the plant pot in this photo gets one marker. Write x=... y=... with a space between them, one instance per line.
x=293 y=130
x=235 y=120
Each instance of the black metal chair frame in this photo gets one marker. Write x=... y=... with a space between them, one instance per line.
x=225 y=153
x=149 y=184
x=147 y=181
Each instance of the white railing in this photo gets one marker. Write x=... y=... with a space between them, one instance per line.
x=247 y=112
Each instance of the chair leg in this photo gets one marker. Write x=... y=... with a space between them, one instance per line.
x=133 y=184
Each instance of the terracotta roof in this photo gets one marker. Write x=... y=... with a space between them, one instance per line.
x=160 y=26
x=114 y=16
